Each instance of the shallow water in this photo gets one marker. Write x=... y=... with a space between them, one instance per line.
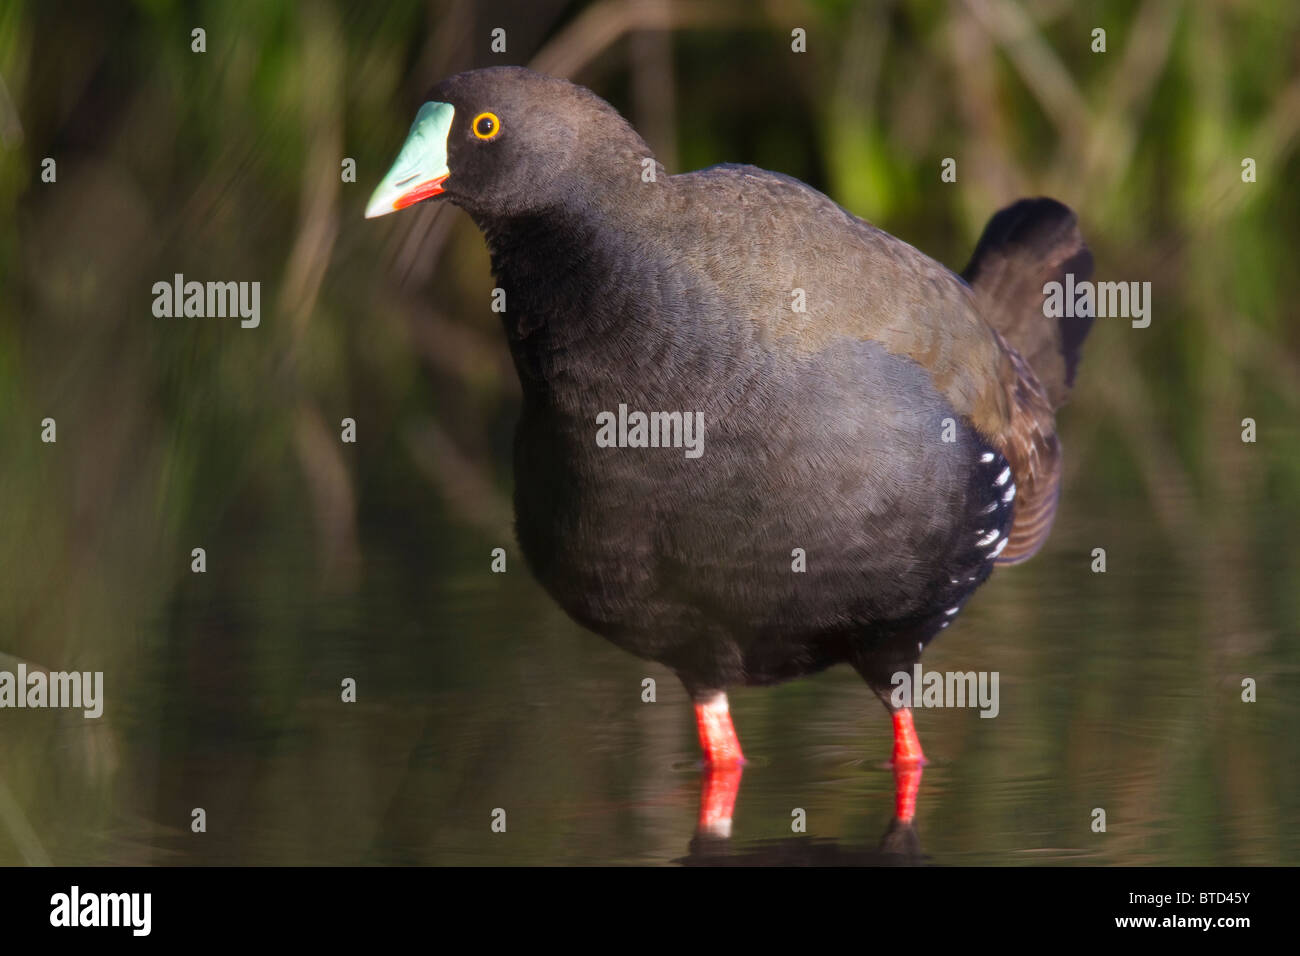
x=475 y=693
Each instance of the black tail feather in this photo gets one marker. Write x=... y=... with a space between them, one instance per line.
x=1025 y=246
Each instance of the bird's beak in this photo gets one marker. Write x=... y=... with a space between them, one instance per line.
x=420 y=169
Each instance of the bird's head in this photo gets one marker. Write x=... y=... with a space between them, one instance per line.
x=505 y=141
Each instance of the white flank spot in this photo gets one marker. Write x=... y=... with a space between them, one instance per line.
x=987 y=539
x=1002 y=478
x=998 y=550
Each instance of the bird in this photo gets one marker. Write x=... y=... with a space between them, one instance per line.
x=758 y=435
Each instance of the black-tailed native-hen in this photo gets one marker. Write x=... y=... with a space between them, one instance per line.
x=849 y=436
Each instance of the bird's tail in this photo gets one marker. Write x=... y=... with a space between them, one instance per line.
x=1025 y=246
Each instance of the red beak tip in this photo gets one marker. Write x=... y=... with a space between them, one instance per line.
x=426 y=190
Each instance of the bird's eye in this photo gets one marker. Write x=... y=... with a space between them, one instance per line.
x=486 y=125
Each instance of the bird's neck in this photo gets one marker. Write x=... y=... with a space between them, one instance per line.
x=589 y=311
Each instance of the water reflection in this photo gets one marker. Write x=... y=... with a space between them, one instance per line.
x=899 y=846
x=475 y=693
x=720 y=789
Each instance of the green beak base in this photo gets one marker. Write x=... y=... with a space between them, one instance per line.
x=421 y=166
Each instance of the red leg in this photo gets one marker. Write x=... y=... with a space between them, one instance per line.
x=908 y=761
x=721 y=783
x=907 y=746
x=718 y=737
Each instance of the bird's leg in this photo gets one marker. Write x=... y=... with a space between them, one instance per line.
x=724 y=764
x=718 y=737
x=880 y=667
x=908 y=761
x=907 y=745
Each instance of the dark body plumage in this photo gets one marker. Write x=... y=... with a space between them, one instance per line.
x=836 y=450
x=824 y=430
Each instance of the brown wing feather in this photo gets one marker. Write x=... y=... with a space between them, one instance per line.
x=913 y=307
x=1030 y=445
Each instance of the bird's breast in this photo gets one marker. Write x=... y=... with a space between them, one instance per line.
x=827 y=490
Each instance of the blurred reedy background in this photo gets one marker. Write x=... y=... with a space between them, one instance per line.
x=371 y=560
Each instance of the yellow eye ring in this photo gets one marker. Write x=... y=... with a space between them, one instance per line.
x=486 y=126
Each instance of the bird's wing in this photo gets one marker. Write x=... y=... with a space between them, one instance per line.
x=773 y=236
